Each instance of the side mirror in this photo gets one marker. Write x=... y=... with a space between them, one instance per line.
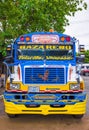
x=9 y=50
x=9 y=54
x=80 y=59
x=9 y=59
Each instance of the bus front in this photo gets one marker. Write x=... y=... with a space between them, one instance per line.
x=44 y=77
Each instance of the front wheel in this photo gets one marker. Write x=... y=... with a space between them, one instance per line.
x=11 y=115
x=78 y=116
x=86 y=74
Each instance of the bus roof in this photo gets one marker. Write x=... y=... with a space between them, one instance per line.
x=45 y=37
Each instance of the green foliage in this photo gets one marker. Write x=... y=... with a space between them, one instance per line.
x=86 y=53
x=22 y=16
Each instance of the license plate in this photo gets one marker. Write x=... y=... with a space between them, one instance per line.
x=44 y=97
x=33 y=89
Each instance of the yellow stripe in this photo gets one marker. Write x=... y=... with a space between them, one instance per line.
x=78 y=108
x=48 y=86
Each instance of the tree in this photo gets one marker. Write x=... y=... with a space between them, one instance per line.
x=23 y=16
x=9 y=20
x=86 y=53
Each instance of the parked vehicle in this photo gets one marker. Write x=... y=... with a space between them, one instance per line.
x=85 y=69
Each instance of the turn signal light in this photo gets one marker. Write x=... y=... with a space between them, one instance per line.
x=27 y=39
x=51 y=30
x=62 y=39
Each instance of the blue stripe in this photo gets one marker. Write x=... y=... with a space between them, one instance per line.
x=66 y=99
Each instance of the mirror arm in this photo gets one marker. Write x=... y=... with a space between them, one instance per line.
x=8 y=71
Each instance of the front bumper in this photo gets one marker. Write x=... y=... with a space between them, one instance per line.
x=45 y=103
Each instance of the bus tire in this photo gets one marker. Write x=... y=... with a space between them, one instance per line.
x=87 y=74
x=78 y=116
x=11 y=115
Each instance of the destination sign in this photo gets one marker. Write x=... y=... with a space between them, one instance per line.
x=48 y=52
x=45 y=47
x=45 y=39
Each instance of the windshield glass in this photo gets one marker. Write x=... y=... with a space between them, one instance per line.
x=45 y=52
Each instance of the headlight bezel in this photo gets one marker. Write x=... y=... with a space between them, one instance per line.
x=15 y=86
x=74 y=86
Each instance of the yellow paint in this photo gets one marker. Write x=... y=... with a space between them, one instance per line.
x=48 y=47
x=78 y=108
x=30 y=57
x=46 y=86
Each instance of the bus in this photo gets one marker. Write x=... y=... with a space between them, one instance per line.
x=42 y=76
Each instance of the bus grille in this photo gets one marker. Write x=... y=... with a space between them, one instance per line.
x=44 y=75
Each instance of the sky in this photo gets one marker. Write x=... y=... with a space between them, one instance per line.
x=79 y=27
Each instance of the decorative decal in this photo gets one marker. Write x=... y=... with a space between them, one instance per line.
x=45 y=39
x=47 y=47
x=48 y=51
x=45 y=76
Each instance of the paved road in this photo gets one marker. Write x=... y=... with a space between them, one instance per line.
x=51 y=122
x=86 y=80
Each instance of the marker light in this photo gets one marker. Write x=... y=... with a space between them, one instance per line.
x=68 y=39
x=62 y=39
x=51 y=30
x=21 y=38
x=27 y=38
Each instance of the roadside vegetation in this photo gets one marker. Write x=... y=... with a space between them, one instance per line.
x=86 y=53
x=18 y=17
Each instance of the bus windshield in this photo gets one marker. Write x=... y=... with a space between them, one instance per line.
x=45 y=52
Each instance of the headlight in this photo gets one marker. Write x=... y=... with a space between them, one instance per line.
x=15 y=86
x=74 y=86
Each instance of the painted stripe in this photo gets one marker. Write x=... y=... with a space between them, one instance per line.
x=50 y=91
